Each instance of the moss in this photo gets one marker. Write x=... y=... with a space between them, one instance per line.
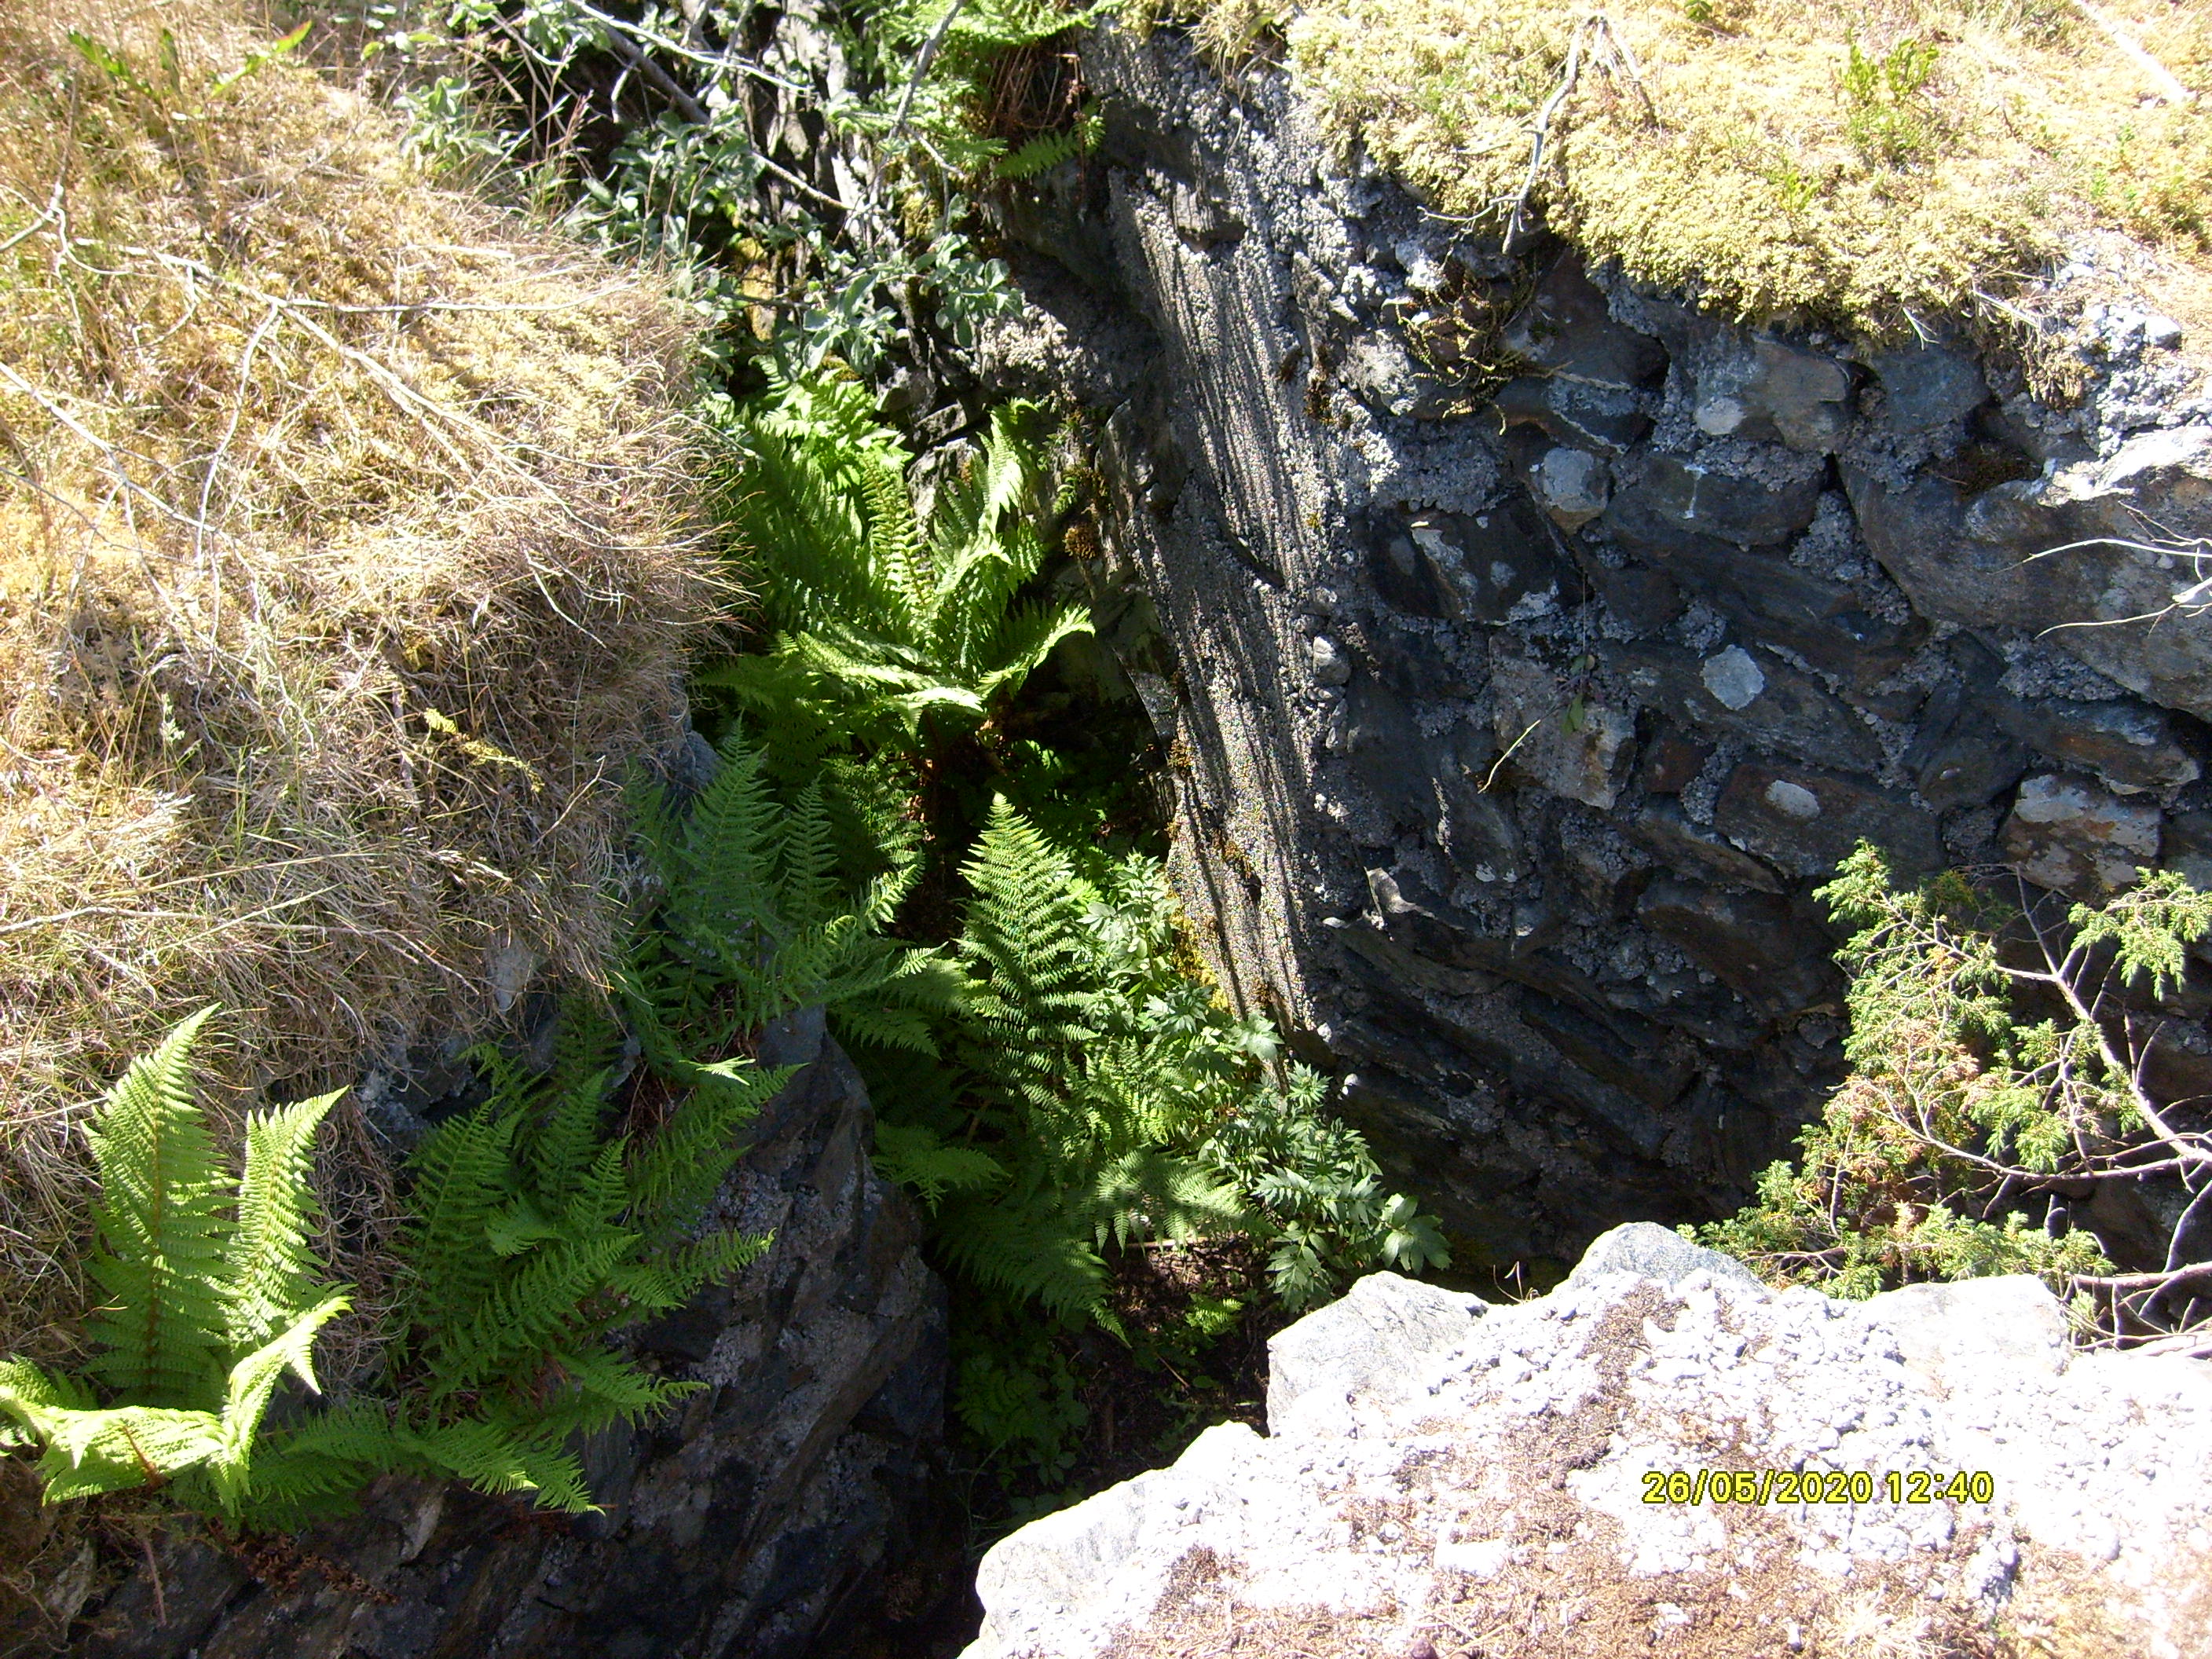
x=1865 y=163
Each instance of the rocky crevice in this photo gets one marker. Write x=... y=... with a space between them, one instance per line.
x=1515 y=721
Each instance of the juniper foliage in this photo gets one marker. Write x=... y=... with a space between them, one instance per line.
x=1998 y=1058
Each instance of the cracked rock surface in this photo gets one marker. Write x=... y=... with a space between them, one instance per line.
x=1478 y=1478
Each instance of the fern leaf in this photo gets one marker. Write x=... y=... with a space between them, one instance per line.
x=251 y=1383
x=163 y=1231
x=1031 y=1252
x=1040 y=155
x=918 y=1158
x=270 y=1267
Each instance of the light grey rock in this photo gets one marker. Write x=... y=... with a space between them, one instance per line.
x=1656 y=1253
x=1764 y=388
x=2068 y=834
x=1369 y=1344
x=1329 y=664
x=1516 y=1469
x=1974 y=1330
x=1572 y=485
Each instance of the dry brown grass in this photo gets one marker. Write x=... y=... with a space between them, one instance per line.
x=345 y=558
x=1725 y=146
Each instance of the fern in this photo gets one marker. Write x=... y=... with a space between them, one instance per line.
x=883 y=631
x=541 y=1226
x=213 y=1300
x=163 y=1231
x=1109 y=1100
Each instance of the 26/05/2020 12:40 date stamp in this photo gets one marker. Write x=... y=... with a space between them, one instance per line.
x=1757 y=1486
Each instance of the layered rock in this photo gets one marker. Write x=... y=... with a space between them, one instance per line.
x=756 y=1520
x=1442 y=1477
x=1517 y=723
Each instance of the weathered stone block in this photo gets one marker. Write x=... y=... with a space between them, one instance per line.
x=1697 y=851
x=2076 y=553
x=1753 y=943
x=1925 y=386
x=1556 y=737
x=1765 y=389
x=1565 y=331
x=1767 y=702
x=1805 y=823
x=1709 y=502
x=2067 y=834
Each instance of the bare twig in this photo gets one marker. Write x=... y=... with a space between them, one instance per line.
x=1596 y=40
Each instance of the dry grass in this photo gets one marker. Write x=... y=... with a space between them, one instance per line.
x=1731 y=147
x=345 y=556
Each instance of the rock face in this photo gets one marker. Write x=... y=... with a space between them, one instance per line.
x=1517 y=726
x=1442 y=1477
x=750 y=1523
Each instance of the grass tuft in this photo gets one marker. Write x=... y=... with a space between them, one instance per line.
x=1863 y=162
x=345 y=558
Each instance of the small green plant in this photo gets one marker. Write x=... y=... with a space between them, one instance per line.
x=1965 y=1102
x=213 y=1295
x=1109 y=1097
x=1796 y=189
x=1890 y=118
x=887 y=633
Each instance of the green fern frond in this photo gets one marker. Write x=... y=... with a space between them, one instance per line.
x=270 y=1266
x=1040 y=155
x=163 y=1229
x=916 y=1158
x=1032 y=1253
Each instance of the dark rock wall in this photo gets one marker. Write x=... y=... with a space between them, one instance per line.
x=1513 y=731
x=759 y=1519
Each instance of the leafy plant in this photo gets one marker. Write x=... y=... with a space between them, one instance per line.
x=1890 y=117
x=535 y=1233
x=1315 y=1184
x=754 y=918
x=213 y=1295
x=538 y=1229
x=885 y=629
x=1109 y=1098
x=1996 y=1055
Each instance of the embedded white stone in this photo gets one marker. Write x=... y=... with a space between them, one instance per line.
x=1734 y=678
x=1793 y=800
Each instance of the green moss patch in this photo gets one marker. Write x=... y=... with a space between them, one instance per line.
x=1870 y=163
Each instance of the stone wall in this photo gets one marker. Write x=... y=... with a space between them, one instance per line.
x=767 y=1515
x=1441 y=1477
x=1514 y=727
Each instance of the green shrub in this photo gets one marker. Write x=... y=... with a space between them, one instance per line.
x=1995 y=1058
